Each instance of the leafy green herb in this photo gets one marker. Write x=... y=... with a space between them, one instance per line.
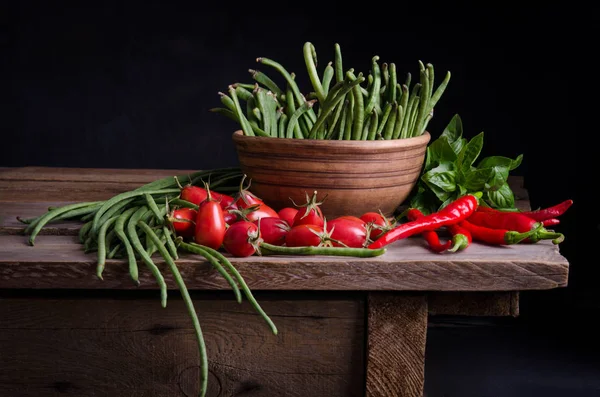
x=452 y=169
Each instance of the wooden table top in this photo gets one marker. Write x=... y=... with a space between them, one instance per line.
x=58 y=261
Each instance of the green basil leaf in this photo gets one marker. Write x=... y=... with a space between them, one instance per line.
x=441 y=179
x=458 y=145
x=439 y=151
x=492 y=161
x=498 y=178
x=454 y=129
x=470 y=152
x=476 y=180
x=425 y=201
x=503 y=197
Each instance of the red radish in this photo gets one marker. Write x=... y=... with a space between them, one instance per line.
x=288 y=214
x=210 y=223
x=306 y=236
x=378 y=223
x=259 y=211
x=244 y=197
x=273 y=230
x=183 y=221
x=230 y=216
x=347 y=232
x=352 y=218
x=193 y=194
x=311 y=214
x=196 y=195
x=242 y=239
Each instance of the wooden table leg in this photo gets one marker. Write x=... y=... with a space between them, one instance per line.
x=397 y=330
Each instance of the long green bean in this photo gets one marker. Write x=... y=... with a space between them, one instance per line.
x=359 y=113
x=373 y=127
x=375 y=88
x=269 y=249
x=282 y=126
x=287 y=76
x=119 y=198
x=409 y=111
x=336 y=117
x=327 y=77
x=188 y=302
x=330 y=104
x=399 y=121
x=201 y=250
x=343 y=119
x=120 y=231
x=132 y=224
x=48 y=216
x=291 y=132
x=310 y=59
x=423 y=108
x=103 y=245
x=266 y=81
x=339 y=69
x=261 y=99
x=242 y=284
x=243 y=121
x=391 y=122
x=84 y=230
x=387 y=110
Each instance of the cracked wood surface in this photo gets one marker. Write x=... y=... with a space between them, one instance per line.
x=124 y=347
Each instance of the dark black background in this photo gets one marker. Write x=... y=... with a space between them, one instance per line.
x=129 y=85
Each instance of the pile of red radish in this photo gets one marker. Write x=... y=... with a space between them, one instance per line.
x=243 y=224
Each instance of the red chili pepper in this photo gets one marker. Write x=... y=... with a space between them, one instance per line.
x=461 y=237
x=517 y=222
x=494 y=236
x=538 y=215
x=431 y=236
x=456 y=211
x=550 y=222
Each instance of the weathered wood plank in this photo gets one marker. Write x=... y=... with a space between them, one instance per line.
x=59 y=262
x=42 y=191
x=133 y=347
x=397 y=330
x=65 y=174
x=474 y=303
x=9 y=224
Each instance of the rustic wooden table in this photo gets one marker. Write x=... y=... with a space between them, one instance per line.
x=347 y=326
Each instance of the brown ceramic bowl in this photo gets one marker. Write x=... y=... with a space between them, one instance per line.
x=356 y=176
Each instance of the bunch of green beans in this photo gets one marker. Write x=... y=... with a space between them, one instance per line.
x=133 y=226
x=339 y=106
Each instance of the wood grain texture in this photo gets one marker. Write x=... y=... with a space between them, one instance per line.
x=114 y=347
x=64 y=174
x=59 y=262
x=397 y=325
x=474 y=303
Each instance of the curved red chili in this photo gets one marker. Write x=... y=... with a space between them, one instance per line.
x=516 y=222
x=430 y=236
x=540 y=214
x=494 y=236
x=456 y=211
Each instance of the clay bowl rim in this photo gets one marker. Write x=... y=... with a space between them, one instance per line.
x=381 y=144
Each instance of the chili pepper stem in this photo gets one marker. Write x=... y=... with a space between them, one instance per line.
x=513 y=237
x=544 y=234
x=459 y=243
